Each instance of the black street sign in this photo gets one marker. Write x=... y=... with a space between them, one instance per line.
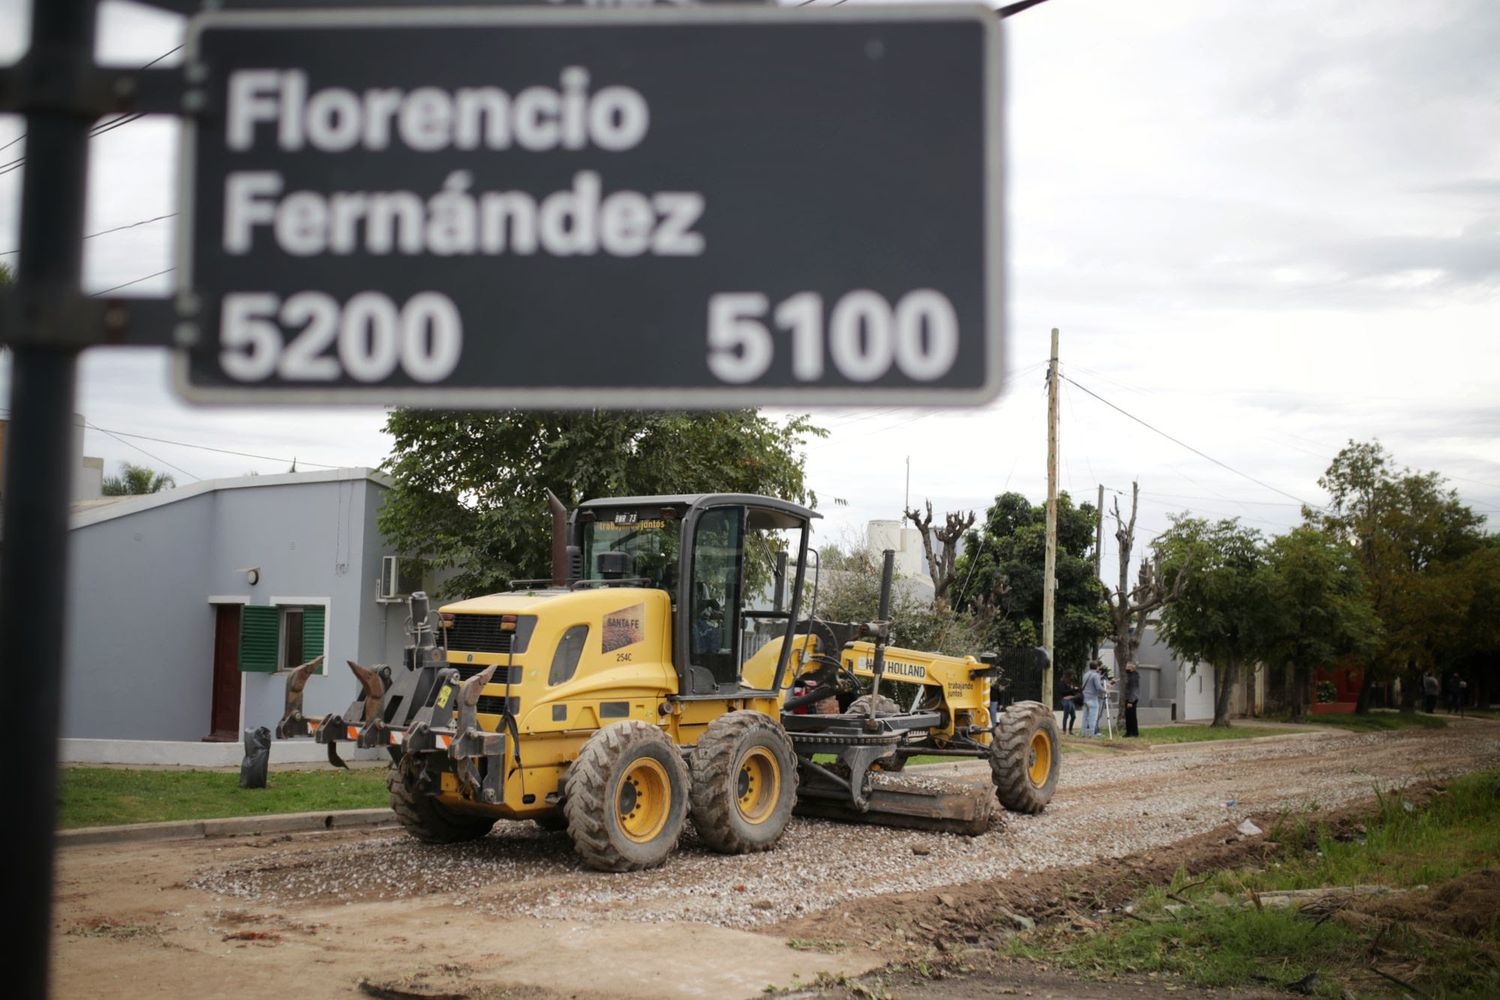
x=698 y=207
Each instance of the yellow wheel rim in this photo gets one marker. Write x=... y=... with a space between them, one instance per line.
x=1039 y=758
x=644 y=800
x=758 y=784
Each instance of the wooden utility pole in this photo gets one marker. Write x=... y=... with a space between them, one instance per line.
x=1049 y=573
x=1098 y=547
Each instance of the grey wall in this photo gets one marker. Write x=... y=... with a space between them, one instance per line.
x=141 y=628
x=138 y=624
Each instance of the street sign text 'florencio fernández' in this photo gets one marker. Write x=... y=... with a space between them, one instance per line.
x=698 y=207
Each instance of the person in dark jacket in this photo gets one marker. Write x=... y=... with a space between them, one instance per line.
x=1130 y=696
x=1071 y=696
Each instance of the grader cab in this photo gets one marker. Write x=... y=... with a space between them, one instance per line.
x=668 y=672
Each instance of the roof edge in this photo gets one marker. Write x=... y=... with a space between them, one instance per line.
x=150 y=501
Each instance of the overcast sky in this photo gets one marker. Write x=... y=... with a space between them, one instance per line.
x=1264 y=228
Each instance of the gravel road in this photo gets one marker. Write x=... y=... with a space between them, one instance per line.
x=1107 y=806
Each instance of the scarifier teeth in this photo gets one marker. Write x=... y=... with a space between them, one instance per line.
x=368 y=679
x=299 y=677
x=469 y=693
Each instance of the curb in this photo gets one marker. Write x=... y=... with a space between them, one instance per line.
x=236 y=826
x=1245 y=741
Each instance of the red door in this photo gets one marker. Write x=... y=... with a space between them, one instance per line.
x=225 y=722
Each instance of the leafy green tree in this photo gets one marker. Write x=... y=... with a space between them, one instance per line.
x=1413 y=536
x=849 y=591
x=469 y=489
x=999 y=579
x=1479 y=661
x=1318 y=607
x=135 y=480
x=1222 y=610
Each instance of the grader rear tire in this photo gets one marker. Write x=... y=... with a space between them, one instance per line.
x=744 y=783
x=1024 y=757
x=424 y=817
x=627 y=798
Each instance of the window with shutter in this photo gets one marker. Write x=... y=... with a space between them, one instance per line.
x=260 y=634
x=313 y=618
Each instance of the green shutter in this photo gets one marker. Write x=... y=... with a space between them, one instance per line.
x=260 y=633
x=312 y=633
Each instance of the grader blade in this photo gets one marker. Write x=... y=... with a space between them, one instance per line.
x=913 y=804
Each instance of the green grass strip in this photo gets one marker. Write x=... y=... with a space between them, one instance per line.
x=109 y=796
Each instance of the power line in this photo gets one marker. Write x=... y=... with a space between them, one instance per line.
x=143 y=451
x=1183 y=444
x=99 y=129
x=134 y=281
x=118 y=434
x=221 y=451
x=106 y=232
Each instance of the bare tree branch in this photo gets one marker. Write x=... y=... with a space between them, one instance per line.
x=942 y=556
x=1132 y=606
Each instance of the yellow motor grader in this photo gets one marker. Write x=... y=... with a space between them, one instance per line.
x=666 y=672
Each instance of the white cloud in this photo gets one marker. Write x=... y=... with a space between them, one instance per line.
x=1263 y=228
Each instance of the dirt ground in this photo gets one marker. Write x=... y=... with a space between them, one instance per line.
x=373 y=913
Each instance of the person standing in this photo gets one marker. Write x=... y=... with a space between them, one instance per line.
x=1130 y=696
x=1429 y=692
x=1092 y=690
x=1070 y=696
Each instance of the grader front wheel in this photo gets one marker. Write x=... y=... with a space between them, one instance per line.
x=627 y=798
x=423 y=816
x=744 y=783
x=1025 y=757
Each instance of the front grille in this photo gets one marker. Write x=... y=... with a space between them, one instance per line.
x=495 y=705
x=481 y=634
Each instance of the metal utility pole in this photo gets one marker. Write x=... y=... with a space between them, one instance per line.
x=1049 y=574
x=906 y=504
x=1099 y=531
x=39 y=464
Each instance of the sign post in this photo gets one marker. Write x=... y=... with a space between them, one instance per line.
x=702 y=207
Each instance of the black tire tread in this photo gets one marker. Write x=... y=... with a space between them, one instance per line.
x=1013 y=786
x=587 y=802
x=712 y=766
x=424 y=817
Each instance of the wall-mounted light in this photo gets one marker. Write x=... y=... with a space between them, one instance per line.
x=252 y=574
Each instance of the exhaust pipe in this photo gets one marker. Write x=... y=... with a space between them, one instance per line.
x=559 y=540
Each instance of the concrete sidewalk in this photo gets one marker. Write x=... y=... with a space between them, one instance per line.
x=234 y=826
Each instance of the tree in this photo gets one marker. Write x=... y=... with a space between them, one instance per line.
x=849 y=591
x=469 y=489
x=941 y=559
x=1319 y=610
x=1000 y=578
x=1222 y=609
x=1130 y=607
x=1479 y=662
x=1412 y=536
x=135 y=480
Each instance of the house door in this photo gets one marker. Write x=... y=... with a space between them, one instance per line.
x=225 y=721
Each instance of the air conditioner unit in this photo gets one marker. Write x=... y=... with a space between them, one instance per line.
x=398 y=578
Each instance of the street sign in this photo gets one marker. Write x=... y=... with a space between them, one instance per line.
x=701 y=207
